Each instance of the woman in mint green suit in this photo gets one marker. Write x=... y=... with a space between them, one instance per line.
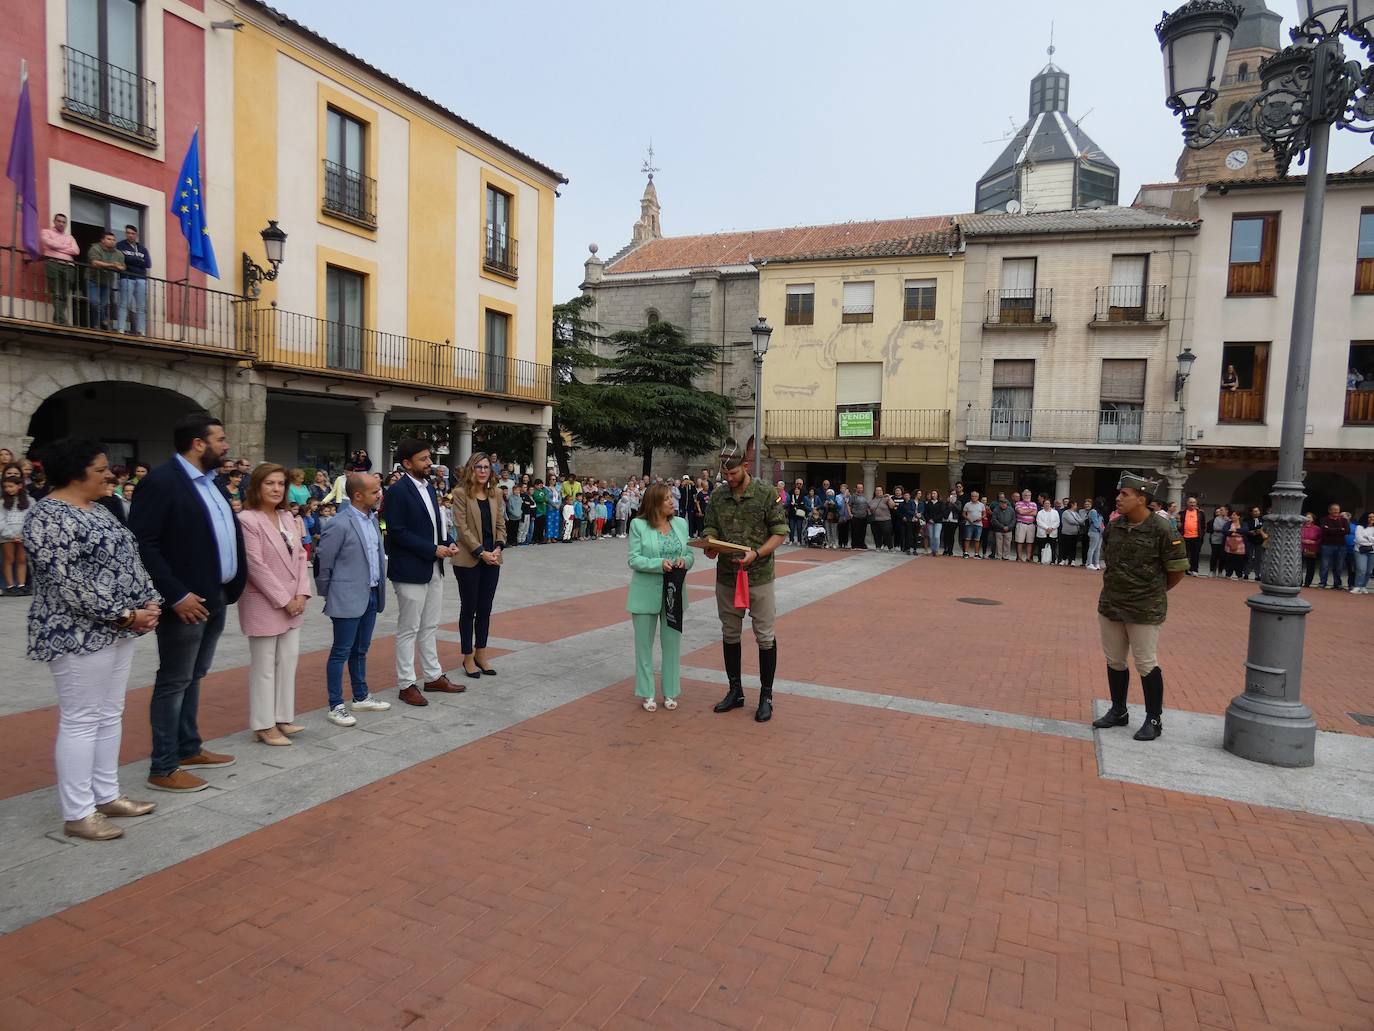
x=658 y=542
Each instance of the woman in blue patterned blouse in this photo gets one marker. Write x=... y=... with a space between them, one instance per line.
x=92 y=599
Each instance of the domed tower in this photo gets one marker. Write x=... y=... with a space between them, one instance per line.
x=1050 y=164
x=1242 y=157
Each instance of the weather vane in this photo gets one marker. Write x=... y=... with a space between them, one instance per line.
x=648 y=166
x=1050 y=51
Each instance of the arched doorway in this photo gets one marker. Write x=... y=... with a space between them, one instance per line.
x=132 y=419
x=1323 y=489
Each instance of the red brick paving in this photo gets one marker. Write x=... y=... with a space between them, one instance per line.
x=1038 y=652
x=600 y=867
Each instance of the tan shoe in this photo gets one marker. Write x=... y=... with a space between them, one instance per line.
x=126 y=806
x=290 y=729
x=207 y=759
x=271 y=736
x=93 y=828
x=179 y=781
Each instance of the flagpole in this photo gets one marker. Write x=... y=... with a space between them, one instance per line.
x=18 y=202
x=186 y=287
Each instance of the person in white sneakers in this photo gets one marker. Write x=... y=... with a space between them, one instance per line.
x=351 y=578
x=1364 y=554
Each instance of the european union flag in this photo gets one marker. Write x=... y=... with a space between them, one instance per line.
x=188 y=205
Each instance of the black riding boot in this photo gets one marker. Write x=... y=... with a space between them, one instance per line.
x=734 y=698
x=1118 y=683
x=768 y=665
x=1153 y=686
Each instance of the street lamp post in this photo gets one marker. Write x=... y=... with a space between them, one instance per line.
x=1306 y=89
x=762 y=331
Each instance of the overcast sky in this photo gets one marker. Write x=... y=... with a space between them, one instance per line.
x=770 y=113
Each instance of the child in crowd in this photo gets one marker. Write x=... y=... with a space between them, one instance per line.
x=568 y=512
x=14 y=507
x=579 y=517
x=310 y=521
x=601 y=516
x=327 y=512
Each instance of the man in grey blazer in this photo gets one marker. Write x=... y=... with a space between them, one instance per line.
x=351 y=579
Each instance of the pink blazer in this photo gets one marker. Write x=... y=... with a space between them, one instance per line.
x=275 y=575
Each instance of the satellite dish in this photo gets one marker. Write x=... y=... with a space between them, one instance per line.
x=1013 y=207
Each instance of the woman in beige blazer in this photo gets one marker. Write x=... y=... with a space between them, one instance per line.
x=479 y=524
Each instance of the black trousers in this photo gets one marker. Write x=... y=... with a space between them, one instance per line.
x=1193 y=545
x=541 y=523
x=1215 y=560
x=858 y=533
x=949 y=533
x=476 y=592
x=908 y=538
x=844 y=532
x=882 y=533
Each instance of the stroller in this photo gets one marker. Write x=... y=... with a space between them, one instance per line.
x=815 y=535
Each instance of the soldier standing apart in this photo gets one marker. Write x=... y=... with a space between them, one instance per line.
x=745 y=511
x=1145 y=559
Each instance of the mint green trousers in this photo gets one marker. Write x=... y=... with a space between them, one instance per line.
x=644 y=624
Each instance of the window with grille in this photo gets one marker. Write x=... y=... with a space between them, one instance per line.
x=801 y=304
x=1126 y=294
x=1122 y=409
x=858 y=302
x=343 y=312
x=1013 y=393
x=918 y=304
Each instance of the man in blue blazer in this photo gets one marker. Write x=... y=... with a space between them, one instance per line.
x=418 y=546
x=352 y=580
x=192 y=547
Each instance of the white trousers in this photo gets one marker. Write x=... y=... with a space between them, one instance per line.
x=272 y=679
x=417 y=621
x=90 y=722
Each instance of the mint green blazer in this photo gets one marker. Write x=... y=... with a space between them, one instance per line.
x=646 y=559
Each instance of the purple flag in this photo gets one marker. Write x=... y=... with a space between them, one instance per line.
x=20 y=171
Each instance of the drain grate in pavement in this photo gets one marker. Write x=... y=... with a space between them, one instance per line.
x=978 y=601
x=1362 y=718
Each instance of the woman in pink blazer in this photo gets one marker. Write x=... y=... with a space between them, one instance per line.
x=272 y=607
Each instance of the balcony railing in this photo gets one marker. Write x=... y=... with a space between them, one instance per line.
x=90 y=301
x=116 y=98
x=350 y=194
x=896 y=425
x=500 y=252
x=1241 y=406
x=1076 y=426
x=290 y=340
x=1130 y=304
x=1359 y=407
x=1020 y=306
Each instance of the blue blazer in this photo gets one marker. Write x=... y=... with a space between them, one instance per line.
x=176 y=540
x=342 y=579
x=410 y=536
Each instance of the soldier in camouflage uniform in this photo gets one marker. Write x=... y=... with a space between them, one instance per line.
x=1145 y=559
x=745 y=511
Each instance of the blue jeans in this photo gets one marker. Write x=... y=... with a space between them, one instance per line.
x=973 y=533
x=101 y=296
x=1363 y=563
x=1094 y=548
x=185 y=653
x=133 y=300
x=352 y=638
x=1333 y=561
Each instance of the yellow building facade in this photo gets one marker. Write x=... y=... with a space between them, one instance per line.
x=417 y=280
x=861 y=373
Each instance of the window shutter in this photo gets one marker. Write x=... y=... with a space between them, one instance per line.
x=1019 y=274
x=1015 y=373
x=800 y=288
x=1123 y=380
x=859 y=383
x=1128 y=273
x=858 y=298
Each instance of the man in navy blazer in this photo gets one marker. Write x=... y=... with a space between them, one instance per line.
x=190 y=542
x=418 y=546
x=351 y=578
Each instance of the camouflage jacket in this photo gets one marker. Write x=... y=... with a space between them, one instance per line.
x=1138 y=558
x=750 y=520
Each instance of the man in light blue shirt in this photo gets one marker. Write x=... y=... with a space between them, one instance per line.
x=221 y=517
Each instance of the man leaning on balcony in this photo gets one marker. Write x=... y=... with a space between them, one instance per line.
x=59 y=255
x=133 y=282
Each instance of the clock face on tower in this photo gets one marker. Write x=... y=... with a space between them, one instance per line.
x=1237 y=159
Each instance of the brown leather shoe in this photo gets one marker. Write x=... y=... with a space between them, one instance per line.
x=179 y=781
x=411 y=696
x=444 y=685
x=93 y=828
x=207 y=760
x=126 y=806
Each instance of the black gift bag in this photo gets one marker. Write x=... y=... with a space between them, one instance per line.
x=674 y=590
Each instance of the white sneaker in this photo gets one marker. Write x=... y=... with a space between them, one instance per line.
x=370 y=704
x=341 y=717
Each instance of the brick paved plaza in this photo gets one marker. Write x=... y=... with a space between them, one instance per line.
x=923 y=837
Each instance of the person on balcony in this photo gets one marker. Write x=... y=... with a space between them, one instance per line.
x=60 y=251
x=133 y=283
x=1230 y=381
x=102 y=281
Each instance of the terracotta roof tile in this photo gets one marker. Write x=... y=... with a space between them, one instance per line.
x=714 y=250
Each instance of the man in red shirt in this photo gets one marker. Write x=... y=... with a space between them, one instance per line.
x=1191 y=522
x=1335 y=528
x=59 y=251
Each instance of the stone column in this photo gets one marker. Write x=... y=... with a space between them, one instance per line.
x=956 y=474
x=245 y=418
x=870 y=470
x=374 y=415
x=541 y=444
x=460 y=438
x=1171 y=483
x=1062 y=475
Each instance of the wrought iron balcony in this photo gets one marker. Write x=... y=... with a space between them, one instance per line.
x=500 y=251
x=1020 y=306
x=109 y=96
x=1108 y=425
x=1131 y=305
x=82 y=301
x=854 y=423
x=350 y=195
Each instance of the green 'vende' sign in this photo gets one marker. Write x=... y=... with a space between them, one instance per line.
x=856 y=424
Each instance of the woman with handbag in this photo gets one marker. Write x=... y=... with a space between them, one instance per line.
x=479 y=524
x=658 y=552
x=1235 y=547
